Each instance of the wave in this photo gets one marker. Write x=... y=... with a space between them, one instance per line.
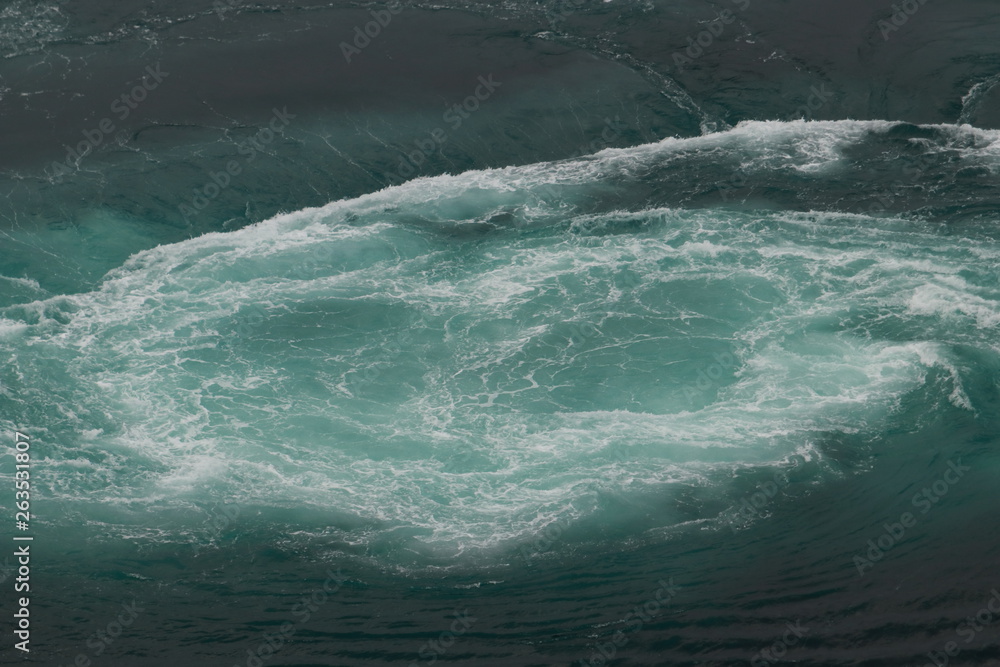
x=454 y=364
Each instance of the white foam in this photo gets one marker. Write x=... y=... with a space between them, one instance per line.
x=230 y=362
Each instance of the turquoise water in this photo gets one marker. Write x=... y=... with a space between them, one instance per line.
x=725 y=361
x=439 y=371
x=707 y=376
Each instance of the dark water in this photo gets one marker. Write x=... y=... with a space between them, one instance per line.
x=638 y=333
